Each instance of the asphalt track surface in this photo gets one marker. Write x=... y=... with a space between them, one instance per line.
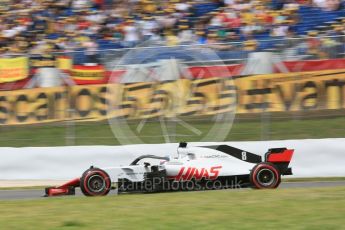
x=28 y=194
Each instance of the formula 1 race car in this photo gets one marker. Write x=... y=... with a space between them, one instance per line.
x=193 y=168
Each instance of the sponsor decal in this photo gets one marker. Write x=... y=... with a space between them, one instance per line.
x=188 y=173
x=213 y=156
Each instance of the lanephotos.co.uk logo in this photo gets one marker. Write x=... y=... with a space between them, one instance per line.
x=158 y=184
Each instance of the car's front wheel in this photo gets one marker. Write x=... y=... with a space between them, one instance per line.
x=95 y=182
x=265 y=175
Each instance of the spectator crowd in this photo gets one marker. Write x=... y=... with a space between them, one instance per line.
x=43 y=26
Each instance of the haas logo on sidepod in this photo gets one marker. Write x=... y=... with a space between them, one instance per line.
x=186 y=174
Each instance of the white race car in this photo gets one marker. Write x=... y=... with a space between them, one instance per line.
x=193 y=168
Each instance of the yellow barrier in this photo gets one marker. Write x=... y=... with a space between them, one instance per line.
x=247 y=94
x=291 y=91
x=33 y=106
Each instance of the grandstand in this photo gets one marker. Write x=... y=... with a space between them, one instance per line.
x=87 y=31
x=29 y=26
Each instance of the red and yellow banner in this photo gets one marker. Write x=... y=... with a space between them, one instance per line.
x=13 y=69
x=82 y=72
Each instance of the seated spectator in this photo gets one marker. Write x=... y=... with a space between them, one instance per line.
x=328 y=5
x=171 y=38
x=250 y=45
x=314 y=44
x=214 y=43
x=333 y=5
x=281 y=29
x=200 y=37
x=131 y=34
x=185 y=35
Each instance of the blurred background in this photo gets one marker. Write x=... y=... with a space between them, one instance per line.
x=271 y=69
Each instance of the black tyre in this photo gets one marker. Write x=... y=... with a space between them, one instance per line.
x=95 y=182
x=265 y=175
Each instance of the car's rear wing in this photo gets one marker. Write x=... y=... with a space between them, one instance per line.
x=281 y=158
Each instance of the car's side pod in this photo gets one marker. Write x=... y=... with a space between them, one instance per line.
x=281 y=158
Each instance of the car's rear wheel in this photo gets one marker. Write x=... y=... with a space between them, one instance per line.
x=95 y=182
x=265 y=175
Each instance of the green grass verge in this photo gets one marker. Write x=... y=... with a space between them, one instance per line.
x=316 y=208
x=100 y=133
